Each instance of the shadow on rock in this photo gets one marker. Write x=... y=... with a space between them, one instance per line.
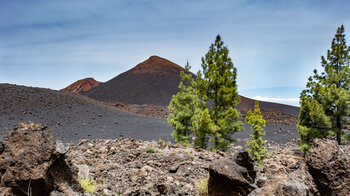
x=329 y=165
x=232 y=176
x=33 y=162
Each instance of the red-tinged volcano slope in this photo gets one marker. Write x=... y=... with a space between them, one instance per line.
x=153 y=81
x=82 y=85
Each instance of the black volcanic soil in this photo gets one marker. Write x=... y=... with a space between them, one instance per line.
x=154 y=81
x=73 y=117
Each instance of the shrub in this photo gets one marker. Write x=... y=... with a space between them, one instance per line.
x=202 y=186
x=88 y=185
x=150 y=149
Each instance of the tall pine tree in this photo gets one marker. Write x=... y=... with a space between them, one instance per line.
x=325 y=103
x=184 y=107
x=256 y=145
x=217 y=86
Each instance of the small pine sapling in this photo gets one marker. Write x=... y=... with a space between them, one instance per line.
x=256 y=145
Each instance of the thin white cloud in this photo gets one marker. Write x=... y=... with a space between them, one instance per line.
x=288 y=101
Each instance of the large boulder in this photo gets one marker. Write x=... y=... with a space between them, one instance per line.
x=232 y=176
x=329 y=164
x=31 y=161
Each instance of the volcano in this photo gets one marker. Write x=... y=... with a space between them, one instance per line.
x=82 y=85
x=154 y=81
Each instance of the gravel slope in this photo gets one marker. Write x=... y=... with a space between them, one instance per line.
x=75 y=117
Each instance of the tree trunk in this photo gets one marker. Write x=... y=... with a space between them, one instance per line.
x=339 y=132
x=216 y=114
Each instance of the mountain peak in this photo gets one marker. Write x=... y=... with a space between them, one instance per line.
x=154 y=57
x=82 y=85
x=156 y=64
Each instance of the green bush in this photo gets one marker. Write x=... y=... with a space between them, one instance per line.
x=160 y=140
x=88 y=185
x=150 y=149
x=202 y=186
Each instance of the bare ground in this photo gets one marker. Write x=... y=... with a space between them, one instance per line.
x=75 y=117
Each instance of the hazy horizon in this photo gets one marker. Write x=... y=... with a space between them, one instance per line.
x=274 y=45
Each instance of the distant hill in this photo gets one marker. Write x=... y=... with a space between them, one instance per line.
x=82 y=85
x=247 y=103
x=154 y=81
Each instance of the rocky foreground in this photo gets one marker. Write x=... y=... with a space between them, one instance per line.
x=33 y=162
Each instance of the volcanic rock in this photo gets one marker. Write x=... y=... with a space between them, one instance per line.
x=129 y=167
x=329 y=164
x=82 y=85
x=285 y=173
x=30 y=162
x=227 y=177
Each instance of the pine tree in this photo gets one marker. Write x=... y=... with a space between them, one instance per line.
x=217 y=86
x=325 y=104
x=256 y=145
x=184 y=106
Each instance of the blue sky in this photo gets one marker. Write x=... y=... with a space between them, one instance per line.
x=275 y=45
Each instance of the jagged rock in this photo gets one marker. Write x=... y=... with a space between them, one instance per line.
x=6 y=191
x=56 y=193
x=245 y=160
x=256 y=192
x=227 y=177
x=285 y=173
x=329 y=164
x=124 y=166
x=30 y=162
x=261 y=181
x=293 y=189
